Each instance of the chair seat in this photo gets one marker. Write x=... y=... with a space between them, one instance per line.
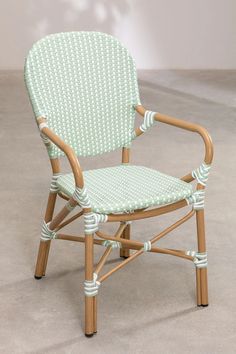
x=125 y=188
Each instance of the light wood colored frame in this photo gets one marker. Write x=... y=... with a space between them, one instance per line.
x=123 y=233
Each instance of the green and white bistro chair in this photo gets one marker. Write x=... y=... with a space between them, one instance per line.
x=84 y=93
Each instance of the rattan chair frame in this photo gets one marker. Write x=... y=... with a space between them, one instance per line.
x=122 y=235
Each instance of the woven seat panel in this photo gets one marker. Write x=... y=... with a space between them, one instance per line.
x=85 y=84
x=126 y=188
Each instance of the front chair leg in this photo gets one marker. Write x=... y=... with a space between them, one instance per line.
x=95 y=314
x=48 y=245
x=44 y=246
x=125 y=252
x=42 y=259
x=201 y=273
x=90 y=289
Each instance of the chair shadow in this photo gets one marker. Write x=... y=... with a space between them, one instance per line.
x=73 y=15
x=140 y=326
x=54 y=348
x=134 y=329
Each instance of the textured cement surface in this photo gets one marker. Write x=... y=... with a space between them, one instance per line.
x=149 y=307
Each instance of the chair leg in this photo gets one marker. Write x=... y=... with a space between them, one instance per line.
x=198 y=287
x=95 y=314
x=44 y=246
x=201 y=273
x=125 y=252
x=48 y=245
x=90 y=316
x=40 y=265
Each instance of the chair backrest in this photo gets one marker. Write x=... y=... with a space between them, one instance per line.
x=85 y=85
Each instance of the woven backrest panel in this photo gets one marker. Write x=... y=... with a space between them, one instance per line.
x=85 y=84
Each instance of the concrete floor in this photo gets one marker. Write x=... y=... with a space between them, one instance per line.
x=150 y=306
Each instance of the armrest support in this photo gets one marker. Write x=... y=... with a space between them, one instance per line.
x=195 y=128
x=69 y=152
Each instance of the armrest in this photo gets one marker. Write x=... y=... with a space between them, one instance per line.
x=69 y=152
x=179 y=123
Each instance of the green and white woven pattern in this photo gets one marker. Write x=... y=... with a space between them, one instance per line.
x=126 y=188
x=85 y=84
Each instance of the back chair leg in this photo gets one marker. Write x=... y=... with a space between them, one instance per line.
x=44 y=246
x=90 y=301
x=125 y=252
x=202 y=284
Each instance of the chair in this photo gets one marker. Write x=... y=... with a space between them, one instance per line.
x=84 y=94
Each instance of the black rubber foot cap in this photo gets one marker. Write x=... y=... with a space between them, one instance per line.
x=37 y=277
x=202 y=305
x=89 y=335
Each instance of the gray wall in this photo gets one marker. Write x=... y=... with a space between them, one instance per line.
x=161 y=34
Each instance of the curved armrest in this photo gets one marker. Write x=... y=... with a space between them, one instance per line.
x=69 y=152
x=179 y=123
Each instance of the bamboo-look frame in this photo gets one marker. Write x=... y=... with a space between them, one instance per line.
x=123 y=233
